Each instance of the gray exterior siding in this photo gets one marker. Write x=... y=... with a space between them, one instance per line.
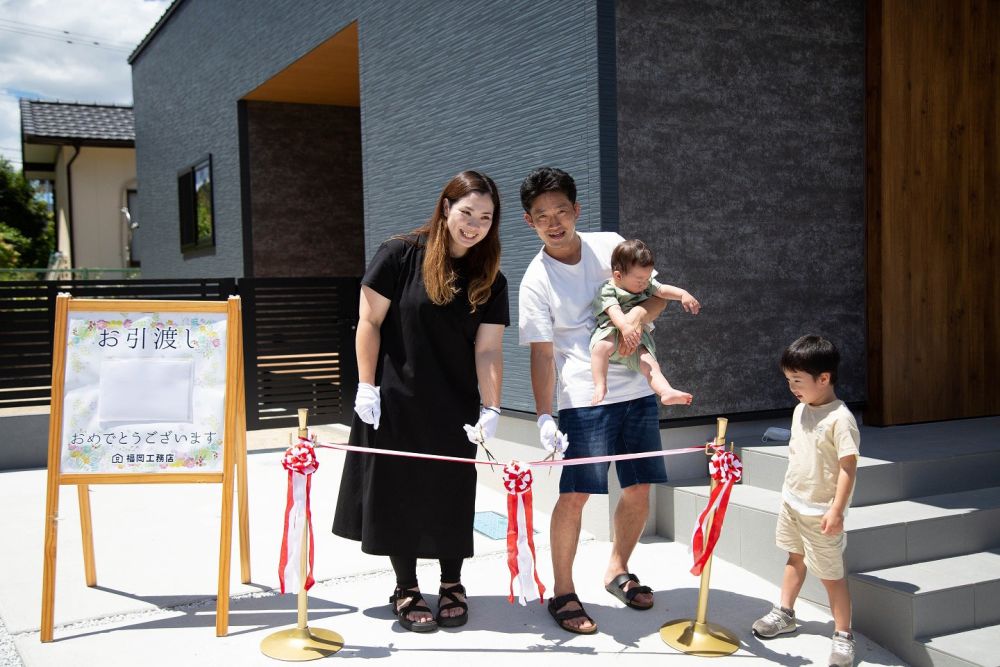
x=510 y=90
x=729 y=136
x=186 y=84
x=445 y=86
x=741 y=137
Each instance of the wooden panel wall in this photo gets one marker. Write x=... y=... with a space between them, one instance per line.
x=932 y=215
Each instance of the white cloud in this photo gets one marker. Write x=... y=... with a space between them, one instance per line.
x=39 y=67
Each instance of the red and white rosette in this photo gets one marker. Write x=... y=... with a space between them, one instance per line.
x=300 y=462
x=520 y=534
x=727 y=469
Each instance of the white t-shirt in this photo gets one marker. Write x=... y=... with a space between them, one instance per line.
x=555 y=307
x=821 y=436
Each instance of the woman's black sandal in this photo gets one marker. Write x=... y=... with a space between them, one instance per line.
x=416 y=603
x=451 y=593
x=555 y=604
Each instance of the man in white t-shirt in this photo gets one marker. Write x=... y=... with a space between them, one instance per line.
x=556 y=319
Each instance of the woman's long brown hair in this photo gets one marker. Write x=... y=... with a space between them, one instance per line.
x=483 y=259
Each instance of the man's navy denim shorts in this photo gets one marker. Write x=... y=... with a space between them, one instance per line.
x=619 y=428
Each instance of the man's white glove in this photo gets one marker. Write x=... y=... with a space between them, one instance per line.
x=367 y=404
x=553 y=440
x=485 y=428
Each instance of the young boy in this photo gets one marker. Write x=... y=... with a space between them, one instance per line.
x=631 y=283
x=822 y=463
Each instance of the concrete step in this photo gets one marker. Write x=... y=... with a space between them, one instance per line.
x=887 y=474
x=929 y=598
x=879 y=536
x=923 y=534
x=979 y=647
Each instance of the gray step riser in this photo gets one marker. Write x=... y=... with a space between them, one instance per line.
x=748 y=537
x=932 y=613
x=928 y=657
x=889 y=482
x=981 y=652
x=888 y=619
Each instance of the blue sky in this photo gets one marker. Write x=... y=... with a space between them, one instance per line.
x=48 y=51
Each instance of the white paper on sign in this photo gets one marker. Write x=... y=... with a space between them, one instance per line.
x=146 y=390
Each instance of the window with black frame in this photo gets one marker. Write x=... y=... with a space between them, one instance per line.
x=194 y=191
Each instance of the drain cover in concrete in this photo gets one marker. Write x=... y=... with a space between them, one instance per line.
x=491 y=524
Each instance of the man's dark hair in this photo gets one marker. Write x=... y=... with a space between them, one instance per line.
x=546 y=179
x=813 y=355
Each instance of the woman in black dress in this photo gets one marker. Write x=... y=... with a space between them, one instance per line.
x=430 y=353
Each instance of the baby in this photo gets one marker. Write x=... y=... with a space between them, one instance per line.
x=632 y=283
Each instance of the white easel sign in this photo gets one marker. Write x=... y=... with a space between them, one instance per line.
x=144 y=392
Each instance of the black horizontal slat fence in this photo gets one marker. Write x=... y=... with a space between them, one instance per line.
x=298 y=339
x=27 y=313
x=299 y=349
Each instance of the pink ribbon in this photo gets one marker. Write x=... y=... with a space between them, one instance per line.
x=301 y=462
x=541 y=463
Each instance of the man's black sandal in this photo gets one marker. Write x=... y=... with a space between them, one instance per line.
x=617 y=588
x=555 y=604
x=451 y=593
x=416 y=603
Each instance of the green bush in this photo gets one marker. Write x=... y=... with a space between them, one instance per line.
x=27 y=234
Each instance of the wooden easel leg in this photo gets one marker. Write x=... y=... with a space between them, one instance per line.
x=225 y=549
x=87 y=533
x=241 y=483
x=54 y=464
x=233 y=349
x=49 y=559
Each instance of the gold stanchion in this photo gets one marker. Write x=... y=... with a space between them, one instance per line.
x=699 y=637
x=302 y=642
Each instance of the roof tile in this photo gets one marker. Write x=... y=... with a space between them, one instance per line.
x=69 y=120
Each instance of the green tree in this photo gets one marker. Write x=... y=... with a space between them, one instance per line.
x=11 y=244
x=26 y=232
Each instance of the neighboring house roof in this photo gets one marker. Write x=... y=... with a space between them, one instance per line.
x=77 y=124
x=155 y=29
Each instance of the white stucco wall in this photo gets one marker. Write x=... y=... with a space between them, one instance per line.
x=100 y=178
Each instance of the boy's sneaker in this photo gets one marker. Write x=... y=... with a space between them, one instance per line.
x=773 y=623
x=842 y=651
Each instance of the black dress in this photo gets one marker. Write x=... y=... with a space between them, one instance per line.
x=428 y=385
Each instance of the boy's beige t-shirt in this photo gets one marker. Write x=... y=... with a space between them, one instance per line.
x=821 y=436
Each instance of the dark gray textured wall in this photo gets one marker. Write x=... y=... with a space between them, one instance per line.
x=305 y=189
x=741 y=136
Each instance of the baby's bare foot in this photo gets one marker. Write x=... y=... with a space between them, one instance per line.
x=675 y=397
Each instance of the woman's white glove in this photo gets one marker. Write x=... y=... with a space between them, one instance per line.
x=553 y=440
x=485 y=428
x=367 y=404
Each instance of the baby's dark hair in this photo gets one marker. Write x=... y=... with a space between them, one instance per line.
x=631 y=253
x=813 y=355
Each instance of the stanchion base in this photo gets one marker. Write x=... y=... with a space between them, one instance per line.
x=299 y=644
x=705 y=640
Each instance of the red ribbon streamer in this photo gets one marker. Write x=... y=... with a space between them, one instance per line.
x=517 y=480
x=301 y=460
x=727 y=469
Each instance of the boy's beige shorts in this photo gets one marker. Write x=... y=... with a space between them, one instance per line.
x=800 y=534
